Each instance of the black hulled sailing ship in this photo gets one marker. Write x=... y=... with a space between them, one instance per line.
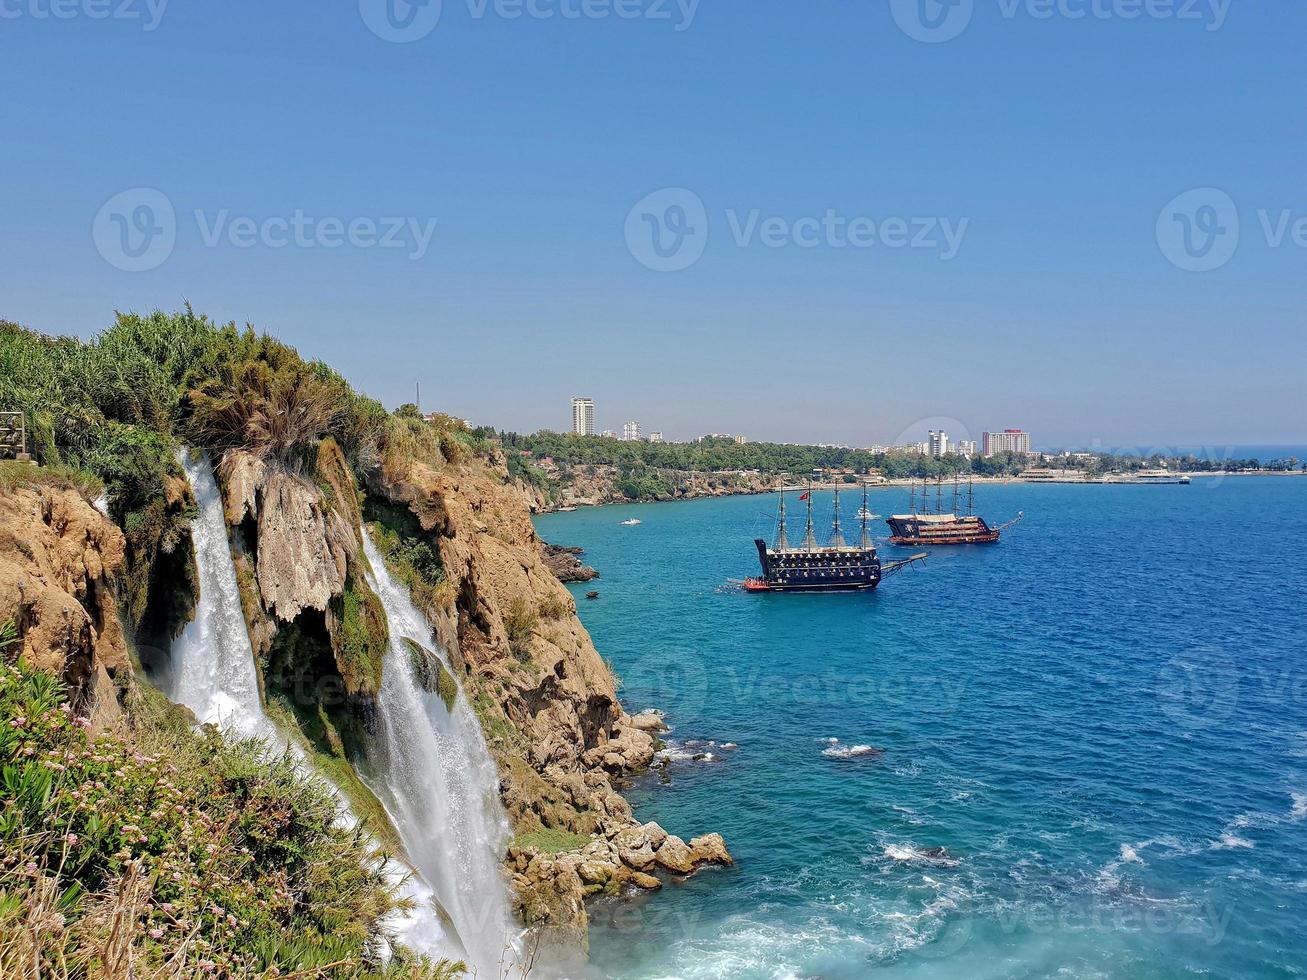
x=924 y=527
x=836 y=566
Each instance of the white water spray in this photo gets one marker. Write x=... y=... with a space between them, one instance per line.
x=213 y=674
x=212 y=662
x=431 y=767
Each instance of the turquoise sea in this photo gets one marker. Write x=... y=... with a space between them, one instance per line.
x=1101 y=721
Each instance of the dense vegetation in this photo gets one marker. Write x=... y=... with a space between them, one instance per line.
x=118 y=406
x=159 y=852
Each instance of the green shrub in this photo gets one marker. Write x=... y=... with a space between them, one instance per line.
x=121 y=852
x=362 y=638
x=520 y=623
x=555 y=607
x=8 y=635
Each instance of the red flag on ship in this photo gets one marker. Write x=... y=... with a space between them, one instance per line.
x=805 y=496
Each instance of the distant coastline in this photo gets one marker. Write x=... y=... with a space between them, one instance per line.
x=538 y=506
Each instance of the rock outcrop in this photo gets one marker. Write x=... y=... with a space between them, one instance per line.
x=566 y=565
x=58 y=556
x=299 y=562
x=553 y=887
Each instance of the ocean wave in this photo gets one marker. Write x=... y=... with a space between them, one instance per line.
x=694 y=750
x=1299 y=806
x=837 y=751
x=1229 y=840
x=929 y=855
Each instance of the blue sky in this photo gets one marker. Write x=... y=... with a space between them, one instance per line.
x=1054 y=142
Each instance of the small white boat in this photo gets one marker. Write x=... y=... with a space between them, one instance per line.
x=1162 y=475
x=866 y=515
x=631 y=523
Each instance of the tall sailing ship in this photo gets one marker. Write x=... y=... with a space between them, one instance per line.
x=836 y=566
x=924 y=527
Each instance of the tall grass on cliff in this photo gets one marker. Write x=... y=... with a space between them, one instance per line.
x=163 y=853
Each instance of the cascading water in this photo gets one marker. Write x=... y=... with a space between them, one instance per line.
x=213 y=674
x=431 y=766
x=212 y=662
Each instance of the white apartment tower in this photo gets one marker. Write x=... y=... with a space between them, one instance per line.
x=938 y=443
x=631 y=432
x=583 y=416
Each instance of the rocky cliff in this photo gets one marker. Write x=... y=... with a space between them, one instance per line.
x=58 y=559
x=593 y=485
x=546 y=699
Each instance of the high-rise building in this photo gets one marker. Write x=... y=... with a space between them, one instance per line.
x=965 y=447
x=583 y=416
x=1007 y=441
x=656 y=437
x=631 y=432
x=938 y=443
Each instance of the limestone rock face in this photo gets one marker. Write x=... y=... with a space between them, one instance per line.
x=298 y=555
x=648 y=721
x=58 y=555
x=675 y=856
x=654 y=834
x=634 y=849
x=303 y=546
x=710 y=849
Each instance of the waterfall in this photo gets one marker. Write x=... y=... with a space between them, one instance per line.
x=212 y=662
x=431 y=767
x=213 y=674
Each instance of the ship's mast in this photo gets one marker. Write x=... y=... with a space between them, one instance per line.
x=971 y=495
x=782 y=541
x=957 y=490
x=939 y=495
x=836 y=535
x=912 y=496
x=809 y=539
x=866 y=534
